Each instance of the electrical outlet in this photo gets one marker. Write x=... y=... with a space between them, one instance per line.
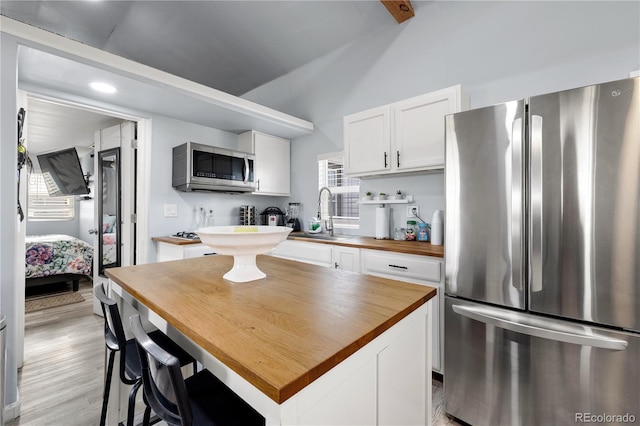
x=411 y=210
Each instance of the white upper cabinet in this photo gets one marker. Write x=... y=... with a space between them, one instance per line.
x=405 y=136
x=273 y=162
x=369 y=141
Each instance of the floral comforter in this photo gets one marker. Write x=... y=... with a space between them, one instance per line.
x=57 y=254
x=108 y=248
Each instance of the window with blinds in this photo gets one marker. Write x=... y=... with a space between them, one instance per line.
x=43 y=207
x=345 y=192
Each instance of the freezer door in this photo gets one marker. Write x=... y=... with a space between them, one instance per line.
x=511 y=368
x=585 y=204
x=484 y=204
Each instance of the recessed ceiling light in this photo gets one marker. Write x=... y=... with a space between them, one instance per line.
x=102 y=87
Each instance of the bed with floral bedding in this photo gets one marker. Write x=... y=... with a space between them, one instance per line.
x=57 y=258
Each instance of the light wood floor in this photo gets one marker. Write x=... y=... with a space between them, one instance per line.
x=61 y=381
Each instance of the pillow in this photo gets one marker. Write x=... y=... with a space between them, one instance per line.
x=107 y=223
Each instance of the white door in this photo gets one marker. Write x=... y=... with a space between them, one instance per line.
x=272 y=164
x=419 y=130
x=114 y=232
x=367 y=141
x=346 y=258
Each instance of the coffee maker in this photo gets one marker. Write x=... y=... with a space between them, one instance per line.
x=293 y=212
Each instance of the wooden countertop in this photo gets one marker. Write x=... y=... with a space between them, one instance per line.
x=279 y=333
x=176 y=241
x=410 y=247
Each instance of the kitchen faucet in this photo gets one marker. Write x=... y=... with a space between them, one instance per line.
x=330 y=227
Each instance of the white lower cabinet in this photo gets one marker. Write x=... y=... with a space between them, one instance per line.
x=346 y=258
x=418 y=270
x=168 y=251
x=314 y=253
x=385 y=383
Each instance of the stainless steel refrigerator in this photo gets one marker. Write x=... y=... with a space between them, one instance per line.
x=542 y=304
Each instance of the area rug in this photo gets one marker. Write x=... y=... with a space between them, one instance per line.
x=51 y=301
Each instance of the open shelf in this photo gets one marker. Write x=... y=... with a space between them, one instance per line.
x=403 y=201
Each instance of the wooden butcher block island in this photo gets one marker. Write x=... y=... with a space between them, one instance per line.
x=294 y=329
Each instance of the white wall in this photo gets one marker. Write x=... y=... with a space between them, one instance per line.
x=9 y=273
x=42 y=227
x=166 y=134
x=498 y=51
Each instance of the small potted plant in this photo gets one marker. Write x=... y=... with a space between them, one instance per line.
x=399 y=195
x=382 y=196
x=368 y=195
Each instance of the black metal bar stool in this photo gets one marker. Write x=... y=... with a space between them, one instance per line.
x=201 y=399
x=130 y=370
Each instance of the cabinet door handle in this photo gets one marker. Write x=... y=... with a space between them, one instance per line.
x=398 y=267
x=258 y=185
x=385 y=159
x=398 y=158
x=335 y=265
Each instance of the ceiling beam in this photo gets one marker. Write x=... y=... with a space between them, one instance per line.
x=399 y=9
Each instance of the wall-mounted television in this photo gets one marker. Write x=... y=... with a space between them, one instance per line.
x=62 y=173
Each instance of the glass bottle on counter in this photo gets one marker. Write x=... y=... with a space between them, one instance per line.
x=411 y=231
x=209 y=219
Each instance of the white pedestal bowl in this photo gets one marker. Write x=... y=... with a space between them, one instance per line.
x=243 y=243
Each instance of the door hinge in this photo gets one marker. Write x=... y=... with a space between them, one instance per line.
x=134 y=218
x=134 y=143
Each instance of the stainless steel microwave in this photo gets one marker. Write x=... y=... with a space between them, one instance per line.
x=198 y=167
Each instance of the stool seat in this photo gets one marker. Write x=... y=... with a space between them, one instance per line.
x=132 y=364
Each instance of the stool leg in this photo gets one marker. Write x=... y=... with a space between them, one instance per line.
x=131 y=411
x=107 y=388
x=147 y=416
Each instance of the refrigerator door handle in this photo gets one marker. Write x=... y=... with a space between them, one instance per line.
x=535 y=230
x=505 y=320
x=516 y=204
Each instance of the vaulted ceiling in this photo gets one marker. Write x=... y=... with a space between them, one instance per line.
x=233 y=46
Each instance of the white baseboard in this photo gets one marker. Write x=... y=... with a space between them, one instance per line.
x=634 y=73
x=12 y=411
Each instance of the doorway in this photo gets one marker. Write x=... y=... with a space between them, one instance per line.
x=53 y=124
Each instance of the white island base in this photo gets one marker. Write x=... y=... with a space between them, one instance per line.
x=386 y=382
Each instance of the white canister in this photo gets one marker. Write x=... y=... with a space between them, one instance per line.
x=437 y=228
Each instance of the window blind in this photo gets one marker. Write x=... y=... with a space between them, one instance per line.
x=43 y=207
x=345 y=192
